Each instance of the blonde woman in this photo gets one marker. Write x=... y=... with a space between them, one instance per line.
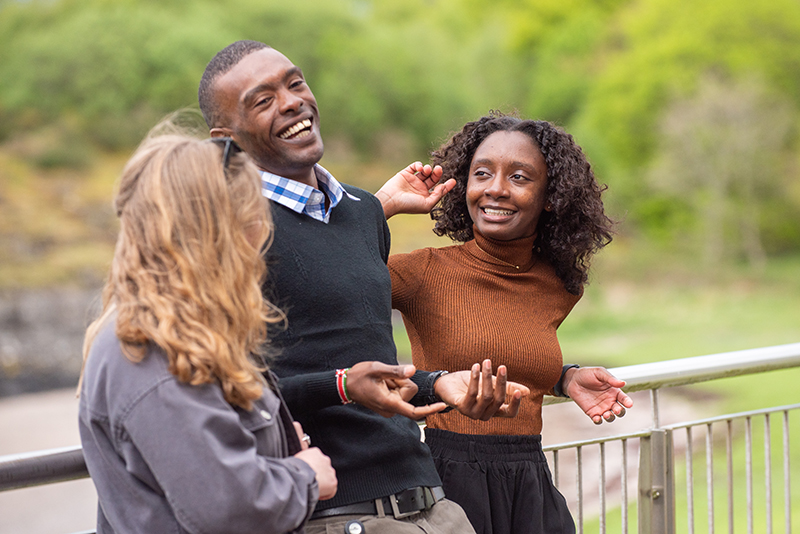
x=180 y=430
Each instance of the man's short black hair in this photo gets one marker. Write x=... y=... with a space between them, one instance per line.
x=225 y=60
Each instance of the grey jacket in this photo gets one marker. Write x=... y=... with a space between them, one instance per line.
x=168 y=457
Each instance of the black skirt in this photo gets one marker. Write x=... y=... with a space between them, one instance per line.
x=503 y=483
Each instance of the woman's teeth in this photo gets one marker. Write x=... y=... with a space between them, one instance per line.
x=492 y=211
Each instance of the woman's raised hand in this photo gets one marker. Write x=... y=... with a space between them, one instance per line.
x=413 y=190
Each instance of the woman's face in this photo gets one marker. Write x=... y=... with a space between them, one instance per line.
x=506 y=186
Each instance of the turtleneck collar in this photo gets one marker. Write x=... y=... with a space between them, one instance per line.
x=514 y=255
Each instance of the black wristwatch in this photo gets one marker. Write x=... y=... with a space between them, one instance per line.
x=558 y=388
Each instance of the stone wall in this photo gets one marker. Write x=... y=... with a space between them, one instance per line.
x=41 y=337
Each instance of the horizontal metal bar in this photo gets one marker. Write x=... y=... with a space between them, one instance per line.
x=701 y=368
x=595 y=441
x=739 y=415
x=685 y=371
x=41 y=467
x=44 y=467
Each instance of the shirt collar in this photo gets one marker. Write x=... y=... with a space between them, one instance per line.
x=302 y=198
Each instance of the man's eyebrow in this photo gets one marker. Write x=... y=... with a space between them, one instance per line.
x=255 y=91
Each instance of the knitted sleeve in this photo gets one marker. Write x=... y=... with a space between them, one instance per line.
x=408 y=272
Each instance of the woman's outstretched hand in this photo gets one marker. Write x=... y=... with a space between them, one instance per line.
x=597 y=392
x=413 y=190
x=479 y=395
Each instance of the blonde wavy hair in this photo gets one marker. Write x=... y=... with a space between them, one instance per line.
x=188 y=265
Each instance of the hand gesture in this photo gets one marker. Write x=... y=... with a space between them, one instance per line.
x=479 y=395
x=597 y=392
x=413 y=190
x=321 y=464
x=386 y=390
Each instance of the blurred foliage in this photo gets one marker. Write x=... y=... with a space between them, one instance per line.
x=629 y=79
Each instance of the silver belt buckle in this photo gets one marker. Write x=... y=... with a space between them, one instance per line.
x=396 y=510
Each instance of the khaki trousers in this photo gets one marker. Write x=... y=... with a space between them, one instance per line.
x=445 y=517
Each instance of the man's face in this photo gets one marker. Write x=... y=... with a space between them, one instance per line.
x=269 y=110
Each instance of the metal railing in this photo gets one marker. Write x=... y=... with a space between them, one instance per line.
x=659 y=446
x=655 y=475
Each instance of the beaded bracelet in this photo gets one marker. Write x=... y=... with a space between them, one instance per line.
x=341 y=385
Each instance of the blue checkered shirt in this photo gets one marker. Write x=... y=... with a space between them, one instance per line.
x=302 y=198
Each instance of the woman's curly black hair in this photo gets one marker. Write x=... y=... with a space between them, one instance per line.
x=576 y=226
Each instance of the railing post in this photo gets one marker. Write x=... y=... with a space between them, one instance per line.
x=656 y=484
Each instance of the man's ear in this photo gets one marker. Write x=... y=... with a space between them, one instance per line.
x=220 y=132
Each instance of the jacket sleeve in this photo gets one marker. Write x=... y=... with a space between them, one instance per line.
x=196 y=447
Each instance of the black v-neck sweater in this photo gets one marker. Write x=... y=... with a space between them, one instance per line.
x=332 y=282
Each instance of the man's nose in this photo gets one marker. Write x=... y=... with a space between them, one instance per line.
x=289 y=101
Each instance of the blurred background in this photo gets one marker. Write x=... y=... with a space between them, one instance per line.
x=688 y=111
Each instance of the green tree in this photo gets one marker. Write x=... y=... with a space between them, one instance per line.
x=723 y=150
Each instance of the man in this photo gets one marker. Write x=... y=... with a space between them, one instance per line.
x=327 y=270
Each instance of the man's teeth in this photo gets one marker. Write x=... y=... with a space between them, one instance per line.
x=492 y=211
x=302 y=125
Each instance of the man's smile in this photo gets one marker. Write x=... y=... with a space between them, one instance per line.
x=297 y=131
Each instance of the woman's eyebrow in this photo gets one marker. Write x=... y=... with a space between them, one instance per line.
x=482 y=161
x=518 y=164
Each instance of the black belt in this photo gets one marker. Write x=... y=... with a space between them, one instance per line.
x=398 y=505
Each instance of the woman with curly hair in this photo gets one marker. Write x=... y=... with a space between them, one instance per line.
x=528 y=212
x=180 y=430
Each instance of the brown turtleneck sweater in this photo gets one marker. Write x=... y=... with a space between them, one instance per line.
x=468 y=302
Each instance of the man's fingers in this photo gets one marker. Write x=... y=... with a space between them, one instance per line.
x=383 y=370
x=400 y=371
x=421 y=412
x=395 y=405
